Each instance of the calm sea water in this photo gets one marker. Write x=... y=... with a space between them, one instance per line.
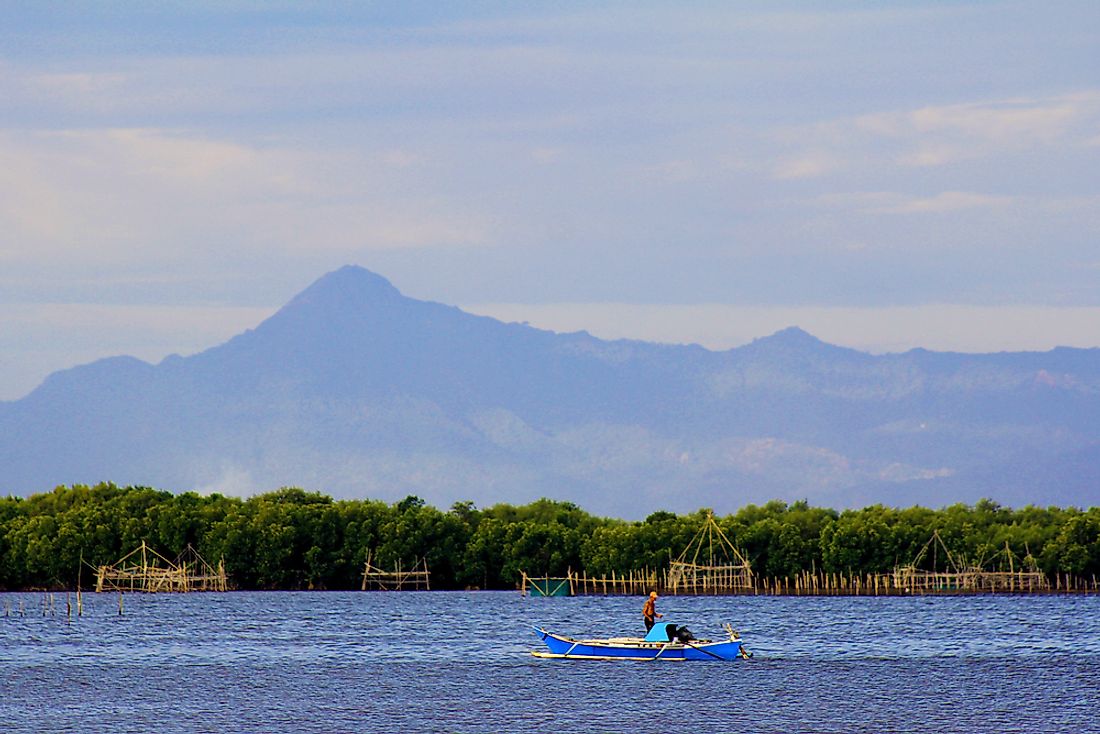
x=460 y=662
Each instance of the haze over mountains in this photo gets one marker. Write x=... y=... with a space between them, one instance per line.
x=357 y=391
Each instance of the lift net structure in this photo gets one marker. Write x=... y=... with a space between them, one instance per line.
x=399 y=578
x=926 y=574
x=710 y=564
x=145 y=570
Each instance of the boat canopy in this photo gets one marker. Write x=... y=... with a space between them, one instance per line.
x=662 y=632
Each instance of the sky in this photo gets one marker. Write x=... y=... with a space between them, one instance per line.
x=886 y=175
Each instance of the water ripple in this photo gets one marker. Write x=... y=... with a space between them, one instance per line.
x=410 y=662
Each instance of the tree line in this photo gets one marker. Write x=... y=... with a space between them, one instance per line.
x=294 y=539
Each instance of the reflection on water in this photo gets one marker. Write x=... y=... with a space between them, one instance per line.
x=433 y=661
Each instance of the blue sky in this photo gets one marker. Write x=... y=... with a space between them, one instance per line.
x=885 y=175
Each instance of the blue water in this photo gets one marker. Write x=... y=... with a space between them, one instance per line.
x=460 y=662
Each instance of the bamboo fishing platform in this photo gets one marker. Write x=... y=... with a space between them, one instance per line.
x=1022 y=575
x=715 y=565
x=712 y=566
x=709 y=565
x=145 y=570
x=809 y=583
x=398 y=578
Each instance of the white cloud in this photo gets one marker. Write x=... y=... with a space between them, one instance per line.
x=939 y=135
x=164 y=155
x=905 y=473
x=127 y=195
x=927 y=155
x=1024 y=121
x=228 y=480
x=1021 y=120
x=1006 y=211
x=88 y=90
x=806 y=166
x=947 y=201
x=935 y=136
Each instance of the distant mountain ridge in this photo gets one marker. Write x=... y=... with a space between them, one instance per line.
x=356 y=390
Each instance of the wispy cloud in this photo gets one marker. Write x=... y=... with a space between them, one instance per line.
x=1083 y=209
x=938 y=135
x=947 y=201
x=810 y=165
x=122 y=189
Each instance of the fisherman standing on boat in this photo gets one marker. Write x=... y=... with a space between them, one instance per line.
x=649 y=611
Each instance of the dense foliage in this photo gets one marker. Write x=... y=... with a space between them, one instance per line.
x=292 y=539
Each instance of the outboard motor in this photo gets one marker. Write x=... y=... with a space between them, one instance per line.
x=684 y=635
x=678 y=634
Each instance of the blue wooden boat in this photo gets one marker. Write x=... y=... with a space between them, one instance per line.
x=665 y=641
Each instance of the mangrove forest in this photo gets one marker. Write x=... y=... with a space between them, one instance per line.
x=296 y=539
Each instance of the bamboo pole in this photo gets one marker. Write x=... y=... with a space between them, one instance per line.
x=704 y=580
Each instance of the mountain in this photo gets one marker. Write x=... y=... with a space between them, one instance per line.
x=356 y=390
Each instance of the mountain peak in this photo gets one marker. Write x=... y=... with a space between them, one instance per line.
x=794 y=341
x=351 y=287
x=352 y=280
x=791 y=337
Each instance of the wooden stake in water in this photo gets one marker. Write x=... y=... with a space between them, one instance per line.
x=79 y=603
x=120 y=602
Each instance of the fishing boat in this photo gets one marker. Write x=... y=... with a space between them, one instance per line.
x=666 y=641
